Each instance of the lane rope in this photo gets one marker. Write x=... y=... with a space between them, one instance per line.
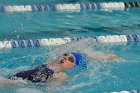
x=60 y=41
x=70 y=7
x=132 y=91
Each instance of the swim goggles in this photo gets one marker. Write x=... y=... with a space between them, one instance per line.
x=70 y=57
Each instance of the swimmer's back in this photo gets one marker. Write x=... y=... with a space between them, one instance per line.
x=38 y=74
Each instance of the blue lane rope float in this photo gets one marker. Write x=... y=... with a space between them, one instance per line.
x=60 y=41
x=70 y=7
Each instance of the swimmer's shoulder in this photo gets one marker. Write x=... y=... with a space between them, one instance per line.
x=62 y=76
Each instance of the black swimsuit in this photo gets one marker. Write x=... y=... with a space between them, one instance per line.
x=38 y=74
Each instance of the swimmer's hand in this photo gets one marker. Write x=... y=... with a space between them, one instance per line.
x=112 y=57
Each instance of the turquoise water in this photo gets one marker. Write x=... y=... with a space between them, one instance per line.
x=50 y=24
x=100 y=76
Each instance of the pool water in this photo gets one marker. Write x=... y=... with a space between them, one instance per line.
x=99 y=77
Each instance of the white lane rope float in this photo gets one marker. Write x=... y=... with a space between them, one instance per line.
x=70 y=7
x=60 y=41
x=132 y=91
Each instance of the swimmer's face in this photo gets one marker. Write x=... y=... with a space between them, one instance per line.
x=67 y=62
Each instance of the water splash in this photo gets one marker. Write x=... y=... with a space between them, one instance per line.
x=87 y=47
x=95 y=74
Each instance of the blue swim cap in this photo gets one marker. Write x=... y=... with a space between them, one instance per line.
x=80 y=62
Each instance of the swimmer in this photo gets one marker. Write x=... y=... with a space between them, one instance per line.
x=53 y=71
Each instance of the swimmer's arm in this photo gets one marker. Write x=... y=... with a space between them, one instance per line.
x=6 y=82
x=106 y=57
x=101 y=56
